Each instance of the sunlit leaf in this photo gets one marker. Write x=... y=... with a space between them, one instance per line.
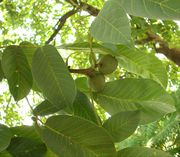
x=112 y=25
x=156 y=9
x=143 y=64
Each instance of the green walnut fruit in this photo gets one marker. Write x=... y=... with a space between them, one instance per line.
x=96 y=82
x=107 y=64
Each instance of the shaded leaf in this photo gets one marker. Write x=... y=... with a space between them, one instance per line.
x=45 y=108
x=17 y=71
x=49 y=153
x=25 y=147
x=136 y=94
x=5 y=137
x=1 y=72
x=122 y=124
x=53 y=77
x=29 y=50
x=156 y=9
x=142 y=152
x=5 y=154
x=26 y=131
x=82 y=107
x=69 y=136
x=112 y=25
x=81 y=84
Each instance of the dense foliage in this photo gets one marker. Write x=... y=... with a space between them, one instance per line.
x=90 y=78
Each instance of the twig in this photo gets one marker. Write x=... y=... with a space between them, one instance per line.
x=84 y=6
x=29 y=104
x=171 y=53
x=87 y=72
x=61 y=22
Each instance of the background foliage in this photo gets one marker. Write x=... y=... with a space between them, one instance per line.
x=146 y=44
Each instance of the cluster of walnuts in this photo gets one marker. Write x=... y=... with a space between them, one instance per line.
x=106 y=65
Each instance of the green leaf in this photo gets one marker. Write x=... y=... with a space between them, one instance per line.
x=82 y=107
x=5 y=154
x=26 y=131
x=112 y=25
x=1 y=72
x=143 y=64
x=25 y=147
x=53 y=77
x=122 y=124
x=84 y=46
x=81 y=84
x=17 y=71
x=45 y=108
x=5 y=137
x=29 y=50
x=136 y=94
x=69 y=136
x=155 y=9
x=142 y=152
x=49 y=153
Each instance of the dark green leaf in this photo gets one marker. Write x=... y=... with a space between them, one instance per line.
x=49 y=153
x=1 y=72
x=45 y=108
x=53 y=77
x=82 y=107
x=5 y=154
x=142 y=152
x=69 y=136
x=157 y=9
x=25 y=147
x=81 y=84
x=17 y=71
x=26 y=131
x=112 y=25
x=122 y=124
x=5 y=137
x=136 y=94
x=29 y=50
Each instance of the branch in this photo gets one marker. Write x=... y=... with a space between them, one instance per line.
x=61 y=22
x=162 y=47
x=84 y=6
x=87 y=72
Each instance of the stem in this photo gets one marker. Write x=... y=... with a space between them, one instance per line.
x=29 y=104
x=92 y=55
x=93 y=107
x=87 y=72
